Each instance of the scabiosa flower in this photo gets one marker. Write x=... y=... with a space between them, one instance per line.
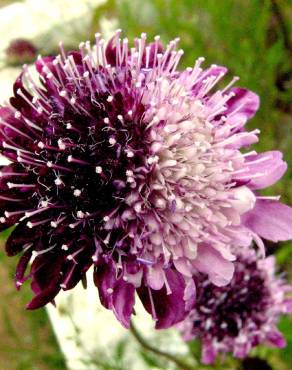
x=20 y=51
x=122 y=162
x=237 y=317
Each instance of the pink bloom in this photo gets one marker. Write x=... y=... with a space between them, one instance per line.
x=123 y=162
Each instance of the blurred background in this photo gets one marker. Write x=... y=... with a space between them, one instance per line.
x=253 y=38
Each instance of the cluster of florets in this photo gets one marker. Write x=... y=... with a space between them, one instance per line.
x=122 y=162
x=241 y=315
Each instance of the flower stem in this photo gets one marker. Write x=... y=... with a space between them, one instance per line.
x=148 y=347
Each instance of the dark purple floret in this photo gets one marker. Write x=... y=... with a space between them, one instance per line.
x=241 y=315
x=21 y=51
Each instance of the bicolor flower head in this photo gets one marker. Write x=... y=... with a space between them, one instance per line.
x=237 y=317
x=123 y=162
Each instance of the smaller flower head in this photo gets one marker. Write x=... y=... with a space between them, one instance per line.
x=237 y=317
x=20 y=51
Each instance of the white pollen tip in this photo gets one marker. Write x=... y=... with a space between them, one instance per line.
x=157 y=38
x=130 y=154
x=58 y=181
x=110 y=290
x=129 y=173
x=17 y=114
x=98 y=169
x=110 y=98
x=2 y=220
x=86 y=74
x=29 y=224
x=77 y=193
x=61 y=145
x=49 y=164
x=106 y=120
x=69 y=158
x=94 y=258
x=64 y=247
x=80 y=214
x=54 y=224
x=112 y=140
x=63 y=93
x=41 y=145
x=106 y=218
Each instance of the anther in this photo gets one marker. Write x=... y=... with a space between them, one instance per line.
x=112 y=141
x=76 y=192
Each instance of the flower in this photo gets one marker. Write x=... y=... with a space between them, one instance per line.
x=237 y=317
x=21 y=51
x=122 y=162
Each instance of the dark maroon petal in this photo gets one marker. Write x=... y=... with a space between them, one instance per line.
x=104 y=279
x=110 y=52
x=21 y=268
x=19 y=237
x=45 y=61
x=46 y=277
x=167 y=309
x=123 y=300
x=115 y=294
x=45 y=297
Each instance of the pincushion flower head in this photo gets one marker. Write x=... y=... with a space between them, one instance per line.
x=123 y=162
x=237 y=317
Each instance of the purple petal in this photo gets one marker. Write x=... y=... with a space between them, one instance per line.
x=21 y=268
x=46 y=279
x=276 y=339
x=20 y=236
x=213 y=71
x=270 y=165
x=123 y=301
x=115 y=294
x=270 y=219
x=209 y=353
x=211 y=262
x=167 y=308
x=245 y=103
